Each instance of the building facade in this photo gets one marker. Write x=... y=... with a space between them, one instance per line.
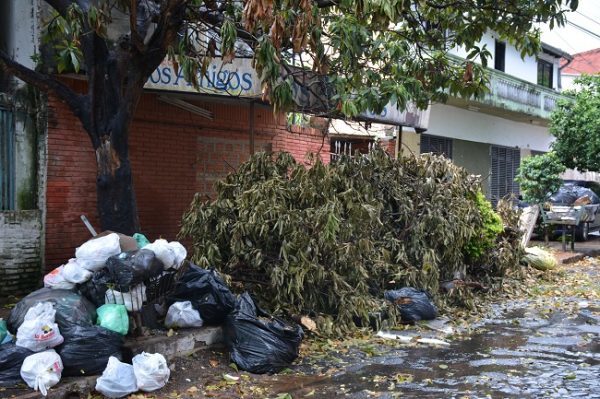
x=489 y=135
x=22 y=156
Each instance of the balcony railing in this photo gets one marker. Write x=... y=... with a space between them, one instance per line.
x=519 y=95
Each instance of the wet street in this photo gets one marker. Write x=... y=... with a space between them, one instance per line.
x=544 y=347
x=541 y=342
x=520 y=354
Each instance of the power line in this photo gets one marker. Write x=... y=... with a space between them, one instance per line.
x=581 y=56
x=588 y=18
x=585 y=30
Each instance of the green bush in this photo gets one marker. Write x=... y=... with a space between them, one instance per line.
x=539 y=177
x=486 y=233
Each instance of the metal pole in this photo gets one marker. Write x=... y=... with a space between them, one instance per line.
x=398 y=140
x=251 y=123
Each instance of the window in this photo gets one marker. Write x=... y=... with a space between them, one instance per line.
x=436 y=145
x=545 y=70
x=505 y=162
x=7 y=160
x=499 y=55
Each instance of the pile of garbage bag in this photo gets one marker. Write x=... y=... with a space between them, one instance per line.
x=78 y=321
x=76 y=325
x=148 y=373
x=569 y=193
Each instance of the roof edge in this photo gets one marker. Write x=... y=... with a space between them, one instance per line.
x=548 y=49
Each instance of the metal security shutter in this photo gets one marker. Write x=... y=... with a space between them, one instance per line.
x=436 y=145
x=505 y=162
x=7 y=159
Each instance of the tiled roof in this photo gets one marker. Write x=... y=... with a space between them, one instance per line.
x=586 y=62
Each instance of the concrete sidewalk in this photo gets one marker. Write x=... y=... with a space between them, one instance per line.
x=590 y=248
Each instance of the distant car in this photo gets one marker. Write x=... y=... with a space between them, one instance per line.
x=572 y=191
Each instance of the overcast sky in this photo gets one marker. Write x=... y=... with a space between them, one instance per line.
x=571 y=39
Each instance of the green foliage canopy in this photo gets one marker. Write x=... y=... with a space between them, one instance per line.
x=539 y=177
x=576 y=126
x=372 y=52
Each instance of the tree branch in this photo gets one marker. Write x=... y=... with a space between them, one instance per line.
x=60 y=5
x=136 y=39
x=170 y=22
x=45 y=82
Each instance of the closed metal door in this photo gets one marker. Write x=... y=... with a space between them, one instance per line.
x=505 y=163
x=7 y=159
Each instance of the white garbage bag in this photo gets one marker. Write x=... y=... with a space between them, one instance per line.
x=151 y=371
x=539 y=258
x=164 y=252
x=90 y=264
x=180 y=253
x=38 y=331
x=56 y=280
x=117 y=380
x=74 y=273
x=42 y=370
x=96 y=251
x=133 y=300
x=182 y=314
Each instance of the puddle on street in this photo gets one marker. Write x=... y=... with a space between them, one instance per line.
x=517 y=354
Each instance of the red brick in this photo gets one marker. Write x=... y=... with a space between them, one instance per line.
x=174 y=154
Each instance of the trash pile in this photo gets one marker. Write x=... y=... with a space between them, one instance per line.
x=77 y=324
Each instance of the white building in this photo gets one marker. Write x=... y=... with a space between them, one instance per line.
x=489 y=136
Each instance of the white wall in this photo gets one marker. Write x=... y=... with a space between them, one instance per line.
x=568 y=81
x=21 y=29
x=525 y=69
x=459 y=123
x=514 y=65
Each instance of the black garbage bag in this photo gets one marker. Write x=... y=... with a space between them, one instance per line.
x=262 y=344
x=207 y=292
x=129 y=269
x=11 y=359
x=72 y=309
x=95 y=288
x=86 y=350
x=569 y=193
x=414 y=305
x=162 y=285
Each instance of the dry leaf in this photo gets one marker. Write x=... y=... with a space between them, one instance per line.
x=308 y=323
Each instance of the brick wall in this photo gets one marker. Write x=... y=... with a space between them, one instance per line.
x=20 y=260
x=174 y=154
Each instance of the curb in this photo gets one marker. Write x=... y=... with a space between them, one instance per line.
x=577 y=256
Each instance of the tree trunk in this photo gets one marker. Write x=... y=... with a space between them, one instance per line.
x=117 y=207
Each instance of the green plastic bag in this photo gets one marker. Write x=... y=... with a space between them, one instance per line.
x=141 y=239
x=3 y=330
x=114 y=318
